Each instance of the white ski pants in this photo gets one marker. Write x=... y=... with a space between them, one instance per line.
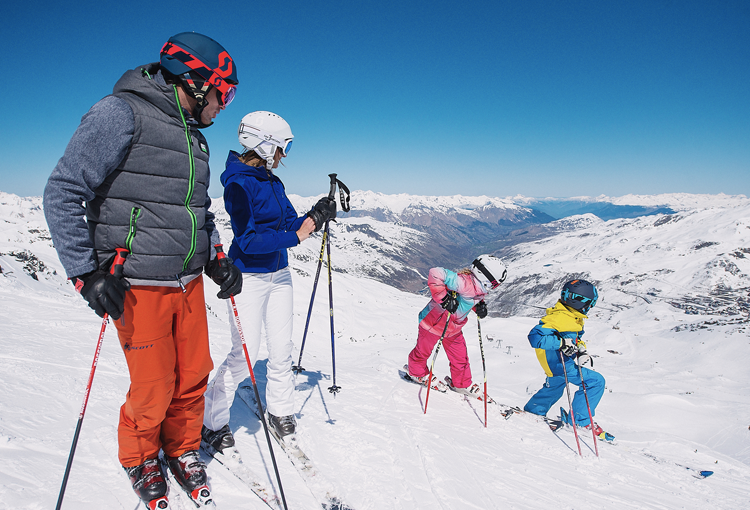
x=264 y=306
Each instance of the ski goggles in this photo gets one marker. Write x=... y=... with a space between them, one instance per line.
x=586 y=302
x=226 y=96
x=213 y=77
x=265 y=136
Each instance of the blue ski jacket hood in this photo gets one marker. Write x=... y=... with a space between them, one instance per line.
x=264 y=221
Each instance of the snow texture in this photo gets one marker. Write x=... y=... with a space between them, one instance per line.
x=677 y=392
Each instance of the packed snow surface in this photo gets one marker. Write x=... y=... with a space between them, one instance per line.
x=677 y=396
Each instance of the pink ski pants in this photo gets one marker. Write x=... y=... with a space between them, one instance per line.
x=455 y=349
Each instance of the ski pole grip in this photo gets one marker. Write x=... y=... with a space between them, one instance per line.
x=332 y=192
x=120 y=256
x=219 y=252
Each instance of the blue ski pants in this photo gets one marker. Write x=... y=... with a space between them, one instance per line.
x=554 y=387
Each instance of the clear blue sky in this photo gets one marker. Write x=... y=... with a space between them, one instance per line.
x=539 y=98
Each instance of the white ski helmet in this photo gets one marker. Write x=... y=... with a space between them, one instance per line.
x=262 y=132
x=489 y=270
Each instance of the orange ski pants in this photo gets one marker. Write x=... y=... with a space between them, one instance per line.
x=164 y=335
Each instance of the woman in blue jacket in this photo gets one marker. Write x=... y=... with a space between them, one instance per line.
x=264 y=224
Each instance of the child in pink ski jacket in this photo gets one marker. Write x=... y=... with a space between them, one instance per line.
x=454 y=295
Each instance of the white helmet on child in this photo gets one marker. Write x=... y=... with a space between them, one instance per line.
x=262 y=132
x=489 y=270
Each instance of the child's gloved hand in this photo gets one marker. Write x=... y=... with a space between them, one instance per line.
x=450 y=302
x=583 y=358
x=568 y=346
x=481 y=309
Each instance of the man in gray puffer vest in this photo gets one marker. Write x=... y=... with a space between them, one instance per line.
x=140 y=165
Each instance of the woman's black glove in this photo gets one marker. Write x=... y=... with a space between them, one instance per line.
x=226 y=275
x=450 y=302
x=324 y=210
x=481 y=309
x=104 y=292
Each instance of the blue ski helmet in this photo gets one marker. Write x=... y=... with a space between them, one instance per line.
x=579 y=295
x=190 y=51
x=200 y=63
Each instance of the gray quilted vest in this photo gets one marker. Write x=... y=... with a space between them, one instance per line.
x=153 y=204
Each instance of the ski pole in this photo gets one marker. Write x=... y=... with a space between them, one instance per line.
x=432 y=365
x=116 y=270
x=220 y=255
x=333 y=389
x=298 y=367
x=570 y=403
x=591 y=417
x=326 y=244
x=332 y=196
x=484 y=370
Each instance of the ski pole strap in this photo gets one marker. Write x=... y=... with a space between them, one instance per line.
x=344 y=199
x=344 y=194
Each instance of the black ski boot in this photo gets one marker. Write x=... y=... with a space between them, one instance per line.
x=190 y=472
x=149 y=484
x=220 y=439
x=282 y=425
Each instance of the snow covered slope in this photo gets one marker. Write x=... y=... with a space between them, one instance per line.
x=696 y=260
x=677 y=387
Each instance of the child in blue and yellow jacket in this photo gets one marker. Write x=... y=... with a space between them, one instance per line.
x=560 y=350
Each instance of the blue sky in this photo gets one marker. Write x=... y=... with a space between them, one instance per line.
x=538 y=98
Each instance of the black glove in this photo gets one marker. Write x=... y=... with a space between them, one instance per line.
x=481 y=309
x=226 y=275
x=104 y=292
x=450 y=302
x=583 y=358
x=568 y=346
x=324 y=210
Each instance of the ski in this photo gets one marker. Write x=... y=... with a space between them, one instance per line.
x=232 y=462
x=505 y=410
x=462 y=391
x=697 y=473
x=438 y=386
x=508 y=411
x=318 y=485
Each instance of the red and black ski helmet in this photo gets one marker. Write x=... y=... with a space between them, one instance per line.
x=190 y=51
x=200 y=63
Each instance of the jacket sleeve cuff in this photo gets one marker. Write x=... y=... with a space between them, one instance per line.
x=289 y=240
